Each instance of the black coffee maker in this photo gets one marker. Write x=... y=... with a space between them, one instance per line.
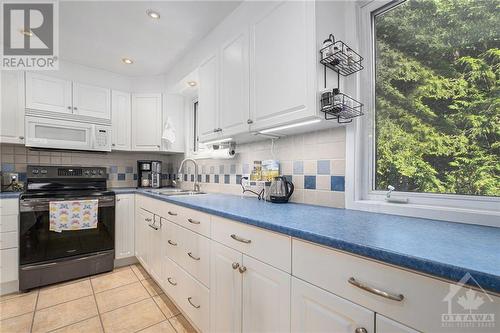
x=280 y=190
x=149 y=174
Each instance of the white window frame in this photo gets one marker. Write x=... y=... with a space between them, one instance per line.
x=360 y=148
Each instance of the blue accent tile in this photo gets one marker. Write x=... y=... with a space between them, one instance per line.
x=221 y=169
x=216 y=180
x=192 y=178
x=185 y=177
x=238 y=179
x=298 y=167
x=203 y=169
x=310 y=182
x=121 y=176
x=288 y=177
x=135 y=176
x=226 y=179
x=338 y=183
x=129 y=169
x=232 y=169
x=246 y=169
x=212 y=170
x=323 y=167
x=22 y=176
x=207 y=178
x=7 y=167
x=199 y=178
x=113 y=169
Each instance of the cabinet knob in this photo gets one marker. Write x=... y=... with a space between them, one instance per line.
x=249 y=121
x=113 y=144
x=360 y=330
x=118 y=199
x=235 y=265
x=21 y=137
x=242 y=269
x=75 y=108
x=69 y=107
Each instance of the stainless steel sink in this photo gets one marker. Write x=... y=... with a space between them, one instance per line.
x=187 y=193
x=175 y=191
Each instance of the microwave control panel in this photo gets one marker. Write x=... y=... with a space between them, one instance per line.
x=102 y=137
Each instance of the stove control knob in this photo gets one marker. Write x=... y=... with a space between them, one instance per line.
x=43 y=171
x=86 y=172
x=94 y=172
x=100 y=172
x=35 y=171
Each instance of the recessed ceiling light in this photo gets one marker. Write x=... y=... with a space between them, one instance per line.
x=127 y=61
x=26 y=32
x=192 y=83
x=153 y=14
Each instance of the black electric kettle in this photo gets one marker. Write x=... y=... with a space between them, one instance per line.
x=280 y=190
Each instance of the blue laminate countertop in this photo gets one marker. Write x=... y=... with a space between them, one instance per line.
x=443 y=249
x=8 y=195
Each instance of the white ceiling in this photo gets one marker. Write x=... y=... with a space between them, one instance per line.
x=100 y=33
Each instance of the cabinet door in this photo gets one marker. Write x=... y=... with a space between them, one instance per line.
x=266 y=297
x=124 y=226
x=12 y=107
x=154 y=252
x=316 y=310
x=146 y=122
x=174 y=114
x=9 y=265
x=91 y=101
x=234 y=86
x=225 y=289
x=143 y=219
x=120 y=119
x=386 y=325
x=207 y=98
x=283 y=65
x=47 y=93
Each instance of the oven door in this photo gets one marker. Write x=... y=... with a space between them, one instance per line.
x=37 y=244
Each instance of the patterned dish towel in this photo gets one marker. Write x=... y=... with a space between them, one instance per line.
x=73 y=215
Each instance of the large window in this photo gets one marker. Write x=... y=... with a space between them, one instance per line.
x=437 y=97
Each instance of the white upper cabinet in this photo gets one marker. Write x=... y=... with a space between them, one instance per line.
x=91 y=101
x=208 y=98
x=146 y=122
x=121 y=120
x=234 y=86
x=174 y=115
x=124 y=225
x=283 y=65
x=316 y=310
x=47 y=93
x=12 y=107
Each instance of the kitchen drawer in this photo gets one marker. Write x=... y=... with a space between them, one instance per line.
x=195 y=301
x=188 y=218
x=173 y=240
x=8 y=223
x=9 y=207
x=8 y=240
x=267 y=246
x=195 y=256
x=149 y=204
x=9 y=265
x=424 y=297
x=173 y=282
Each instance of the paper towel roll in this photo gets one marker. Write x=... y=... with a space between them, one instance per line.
x=220 y=154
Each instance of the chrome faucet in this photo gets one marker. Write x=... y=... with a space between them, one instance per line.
x=196 y=184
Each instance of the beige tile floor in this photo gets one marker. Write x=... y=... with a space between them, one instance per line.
x=125 y=300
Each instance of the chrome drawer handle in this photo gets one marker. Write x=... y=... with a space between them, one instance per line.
x=171 y=243
x=235 y=265
x=193 y=221
x=360 y=330
x=240 y=239
x=172 y=213
x=194 y=306
x=170 y=281
x=394 y=297
x=190 y=254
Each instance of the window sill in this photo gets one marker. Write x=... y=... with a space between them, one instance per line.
x=452 y=214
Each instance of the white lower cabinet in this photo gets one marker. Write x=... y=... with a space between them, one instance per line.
x=154 y=245
x=247 y=294
x=316 y=310
x=9 y=251
x=142 y=219
x=386 y=325
x=124 y=226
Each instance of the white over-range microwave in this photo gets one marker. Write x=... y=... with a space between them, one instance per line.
x=43 y=132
